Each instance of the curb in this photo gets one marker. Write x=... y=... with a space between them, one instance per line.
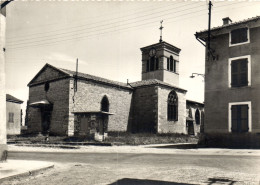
x=27 y=173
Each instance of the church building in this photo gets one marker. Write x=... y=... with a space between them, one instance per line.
x=65 y=102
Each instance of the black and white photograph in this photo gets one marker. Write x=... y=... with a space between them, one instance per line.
x=129 y=92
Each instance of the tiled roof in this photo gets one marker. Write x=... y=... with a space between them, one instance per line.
x=194 y=102
x=232 y=24
x=153 y=82
x=96 y=78
x=11 y=98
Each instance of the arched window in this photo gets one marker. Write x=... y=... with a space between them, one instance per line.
x=190 y=113
x=152 y=62
x=46 y=86
x=172 y=106
x=171 y=64
x=157 y=64
x=197 y=117
x=105 y=104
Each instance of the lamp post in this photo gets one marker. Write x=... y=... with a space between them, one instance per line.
x=198 y=74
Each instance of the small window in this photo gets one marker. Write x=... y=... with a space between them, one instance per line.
x=11 y=117
x=46 y=86
x=239 y=118
x=174 y=65
x=171 y=63
x=157 y=64
x=238 y=36
x=147 y=66
x=197 y=117
x=152 y=63
x=172 y=106
x=168 y=64
x=239 y=72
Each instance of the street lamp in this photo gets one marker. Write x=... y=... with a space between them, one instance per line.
x=198 y=74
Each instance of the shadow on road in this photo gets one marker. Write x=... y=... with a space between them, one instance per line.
x=220 y=181
x=179 y=146
x=127 y=181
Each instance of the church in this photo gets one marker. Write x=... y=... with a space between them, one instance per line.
x=65 y=102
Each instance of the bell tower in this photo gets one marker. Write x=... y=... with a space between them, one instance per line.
x=161 y=61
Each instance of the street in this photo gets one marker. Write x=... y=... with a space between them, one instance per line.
x=140 y=168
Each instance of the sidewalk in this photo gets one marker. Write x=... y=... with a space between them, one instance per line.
x=158 y=149
x=15 y=168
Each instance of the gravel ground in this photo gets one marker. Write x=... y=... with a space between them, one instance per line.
x=74 y=174
x=159 y=148
x=139 y=173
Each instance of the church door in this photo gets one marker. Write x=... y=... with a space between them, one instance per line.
x=190 y=127
x=46 y=121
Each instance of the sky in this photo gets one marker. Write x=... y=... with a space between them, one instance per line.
x=106 y=37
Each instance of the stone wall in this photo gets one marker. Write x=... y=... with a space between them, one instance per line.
x=145 y=105
x=165 y=126
x=13 y=128
x=194 y=107
x=88 y=98
x=58 y=95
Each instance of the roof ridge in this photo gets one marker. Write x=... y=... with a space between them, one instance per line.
x=231 y=24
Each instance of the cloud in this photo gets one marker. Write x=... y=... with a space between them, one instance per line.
x=60 y=57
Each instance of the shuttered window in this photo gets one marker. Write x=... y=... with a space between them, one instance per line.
x=239 y=73
x=239 y=35
x=11 y=117
x=239 y=116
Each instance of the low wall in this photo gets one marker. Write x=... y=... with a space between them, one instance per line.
x=228 y=140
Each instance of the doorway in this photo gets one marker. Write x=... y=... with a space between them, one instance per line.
x=46 y=121
x=190 y=127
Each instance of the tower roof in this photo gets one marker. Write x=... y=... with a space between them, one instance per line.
x=162 y=44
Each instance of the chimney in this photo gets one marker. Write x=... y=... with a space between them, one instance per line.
x=226 y=21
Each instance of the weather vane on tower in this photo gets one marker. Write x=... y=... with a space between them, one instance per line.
x=161 y=31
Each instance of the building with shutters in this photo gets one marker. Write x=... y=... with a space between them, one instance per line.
x=232 y=78
x=13 y=115
x=63 y=102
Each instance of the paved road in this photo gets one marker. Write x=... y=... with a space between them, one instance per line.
x=120 y=167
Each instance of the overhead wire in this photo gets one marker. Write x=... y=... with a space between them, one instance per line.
x=125 y=24
x=45 y=44
x=72 y=27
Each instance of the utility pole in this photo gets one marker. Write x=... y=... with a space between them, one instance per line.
x=210 y=4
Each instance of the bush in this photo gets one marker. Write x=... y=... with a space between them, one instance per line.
x=149 y=138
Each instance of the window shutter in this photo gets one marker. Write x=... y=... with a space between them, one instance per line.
x=168 y=64
x=244 y=118
x=234 y=123
x=234 y=73
x=243 y=72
